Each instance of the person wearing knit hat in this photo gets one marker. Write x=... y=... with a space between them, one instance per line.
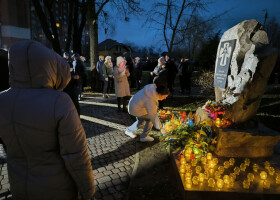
x=121 y=83
x=108 y=76
x=99 y=69
x=144 y=105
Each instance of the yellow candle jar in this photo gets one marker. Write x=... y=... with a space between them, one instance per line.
x=226 y=179
x=211 y=182
x=183 y=161
x=188 y=150
x=232 y=176
x=277 y=179
x=250 y=177
x=197 y=169
x=188 y=166
x=246 y=184
x=209 y=156
x=266 y=164
x=182 y=170
x=194 y=162
x=216 y=161
x=271 y=171
x=189 y=185
x=206 y=175
x=217 y=175
x=226 y=164
x=236 y=170
x=263 y=175
x=231 y=161
x=187 y=157
x=201 y=177
x=256 y=168
x=220 y=183
x=221 y=169
x=247 y=162
x=203 y=160
x=243 y=167
x=211 y=164
x=195 y=180
x=266 y=184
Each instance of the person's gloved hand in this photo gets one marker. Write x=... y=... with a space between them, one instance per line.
x=163 y=132
x=106 y=79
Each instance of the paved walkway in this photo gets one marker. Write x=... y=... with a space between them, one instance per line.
x=111 y=151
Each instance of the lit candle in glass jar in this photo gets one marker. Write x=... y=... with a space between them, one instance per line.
x=187 y=157
x=211 y=164
x=206 y=175
x=266 y=184
x=188 y=150
x=236 y=170
x=232 y=176
x=183 y=161
x=217 y=175
x=209 y=156
x=195 y=180
x=203 y=160
x=250 y=177
x=193 y=162
x=182 y=169
x=255 y=167
x=197 y=169
x=211 y=182
x=271 y=171
x=220 y=183
x=243 y=167
x=215 y=161
x=221 y=169
x=246 y=184
x=226 y=164
x=231 y=161
x=226 y=179
x=247 y=162
x=188 y=184
x=201 y=177
x=277 y=179
x=266 y=164
x=263 y=175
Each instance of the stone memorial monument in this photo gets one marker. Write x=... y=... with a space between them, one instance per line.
x=244 y=63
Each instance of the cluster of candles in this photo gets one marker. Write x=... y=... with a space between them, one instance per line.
x=214 y=176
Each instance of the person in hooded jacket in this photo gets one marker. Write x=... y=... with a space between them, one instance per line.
x=47 y=155
x=144 y=106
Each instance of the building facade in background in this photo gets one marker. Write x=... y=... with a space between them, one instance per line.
x=14 y=22
x=19 y=21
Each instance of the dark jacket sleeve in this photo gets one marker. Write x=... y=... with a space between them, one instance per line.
x=73 y=145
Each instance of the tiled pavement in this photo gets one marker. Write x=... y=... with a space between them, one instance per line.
x=112 y=153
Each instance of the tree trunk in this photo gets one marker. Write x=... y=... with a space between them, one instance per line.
x=93 y=30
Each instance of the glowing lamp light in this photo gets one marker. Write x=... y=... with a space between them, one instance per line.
x=220 y=183
x=263 y=175
x=246 y=184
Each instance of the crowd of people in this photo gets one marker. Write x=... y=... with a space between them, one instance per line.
x=40 y=124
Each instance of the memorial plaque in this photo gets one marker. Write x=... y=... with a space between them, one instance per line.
x=223 y=62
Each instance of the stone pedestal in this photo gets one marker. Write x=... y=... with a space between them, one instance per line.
x=241 y=143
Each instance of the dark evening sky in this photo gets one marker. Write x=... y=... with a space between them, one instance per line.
x=240 y=10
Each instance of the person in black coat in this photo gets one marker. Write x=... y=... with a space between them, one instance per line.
x=4 y=70
x=172 y=71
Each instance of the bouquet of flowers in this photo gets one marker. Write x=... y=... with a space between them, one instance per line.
x=217 y=112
